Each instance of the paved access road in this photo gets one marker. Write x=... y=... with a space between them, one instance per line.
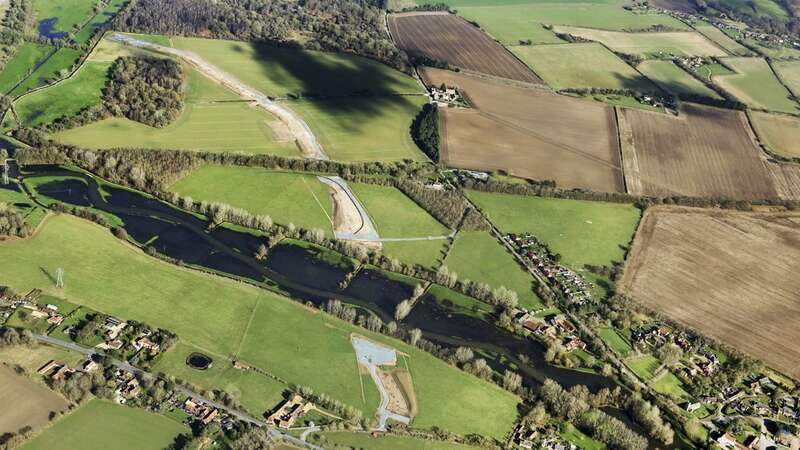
x=300 y=130
x=240 y=415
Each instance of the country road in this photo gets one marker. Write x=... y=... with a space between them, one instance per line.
x=240 y=415
x=299 y=128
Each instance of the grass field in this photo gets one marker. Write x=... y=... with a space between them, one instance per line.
x=511 y=23
x=56 y=67
x=387 y=442
x=32 y=402
x=722 y=39
x=780 y=133
x=669 y=384
x=256 y=392
x=287 y=197
x=113 y=7
x=575 y=436
x=755 y=84
x=709 y=71
x=21 y=64
x=229 y=319
x=789 y=71
x=614 y=340
x=364 y=128
x=212 y=120
x=280 y=72
x=32 y=358
x=582 y=232
x=674 y=79
x=101 y=424
x=583 y=65
x=349 y=127
x=479 y=257
x=643 y=366
x=397 y=216
x=33 y=214
x=68 y=12
x=64 y=99
x=686 y=43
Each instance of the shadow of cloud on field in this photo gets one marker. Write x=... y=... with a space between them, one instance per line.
x=348 y=92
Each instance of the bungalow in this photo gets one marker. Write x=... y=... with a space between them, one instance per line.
x=90 y=366
x=55 y=319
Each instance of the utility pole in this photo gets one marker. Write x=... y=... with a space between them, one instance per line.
x=60 y=278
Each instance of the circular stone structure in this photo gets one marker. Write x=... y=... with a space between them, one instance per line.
x=199 y=361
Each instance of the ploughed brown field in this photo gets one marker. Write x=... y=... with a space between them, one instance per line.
x=529 y=132
x=731 y=275
x=25 y=402
x=705 y=151
x=447 y=37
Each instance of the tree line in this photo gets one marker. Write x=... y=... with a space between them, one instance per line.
x=353 y=26
x=12 y=223
x=425 y=131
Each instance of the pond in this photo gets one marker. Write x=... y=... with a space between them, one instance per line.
x=199 y=361
x=46 y=31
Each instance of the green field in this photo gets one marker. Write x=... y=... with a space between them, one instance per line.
x=21 y=64
x=768 y=8
x=669 y=384
x=231 y=320
x=479 y=257
x=397 y=216
x=387 y=442
x=755 y=84
x=780 y=133
x=113 y=7
x=280 y=72
x=582 y=232
x=348 y=125
x=68 y=12
x=286 y=197
x=722 y=39
x=33 y=358
x=511 y=21
x=614 y=340
x=789 y=71
x=575 y=436
x=56 y=67
x=256 y=392
x=709 y=71
x=643 y=366
x=674 y=79
x=33 y=214
x=583 y=65
x=686 y=43
x=212 y=120
x=364 y=128
x=67 y=98
x=101 y=424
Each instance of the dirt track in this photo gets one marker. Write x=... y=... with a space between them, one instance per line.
x=447 y=37
x=350 y=220
x=705 y=152
x=530 y=133
x=730 y=275
x=297 y=126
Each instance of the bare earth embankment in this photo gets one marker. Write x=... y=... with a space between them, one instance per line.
x=447 y=37
x=731 y=275
x=530 y=133
x=704 y=152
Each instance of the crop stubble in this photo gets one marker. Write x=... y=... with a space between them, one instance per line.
x=707 y=152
